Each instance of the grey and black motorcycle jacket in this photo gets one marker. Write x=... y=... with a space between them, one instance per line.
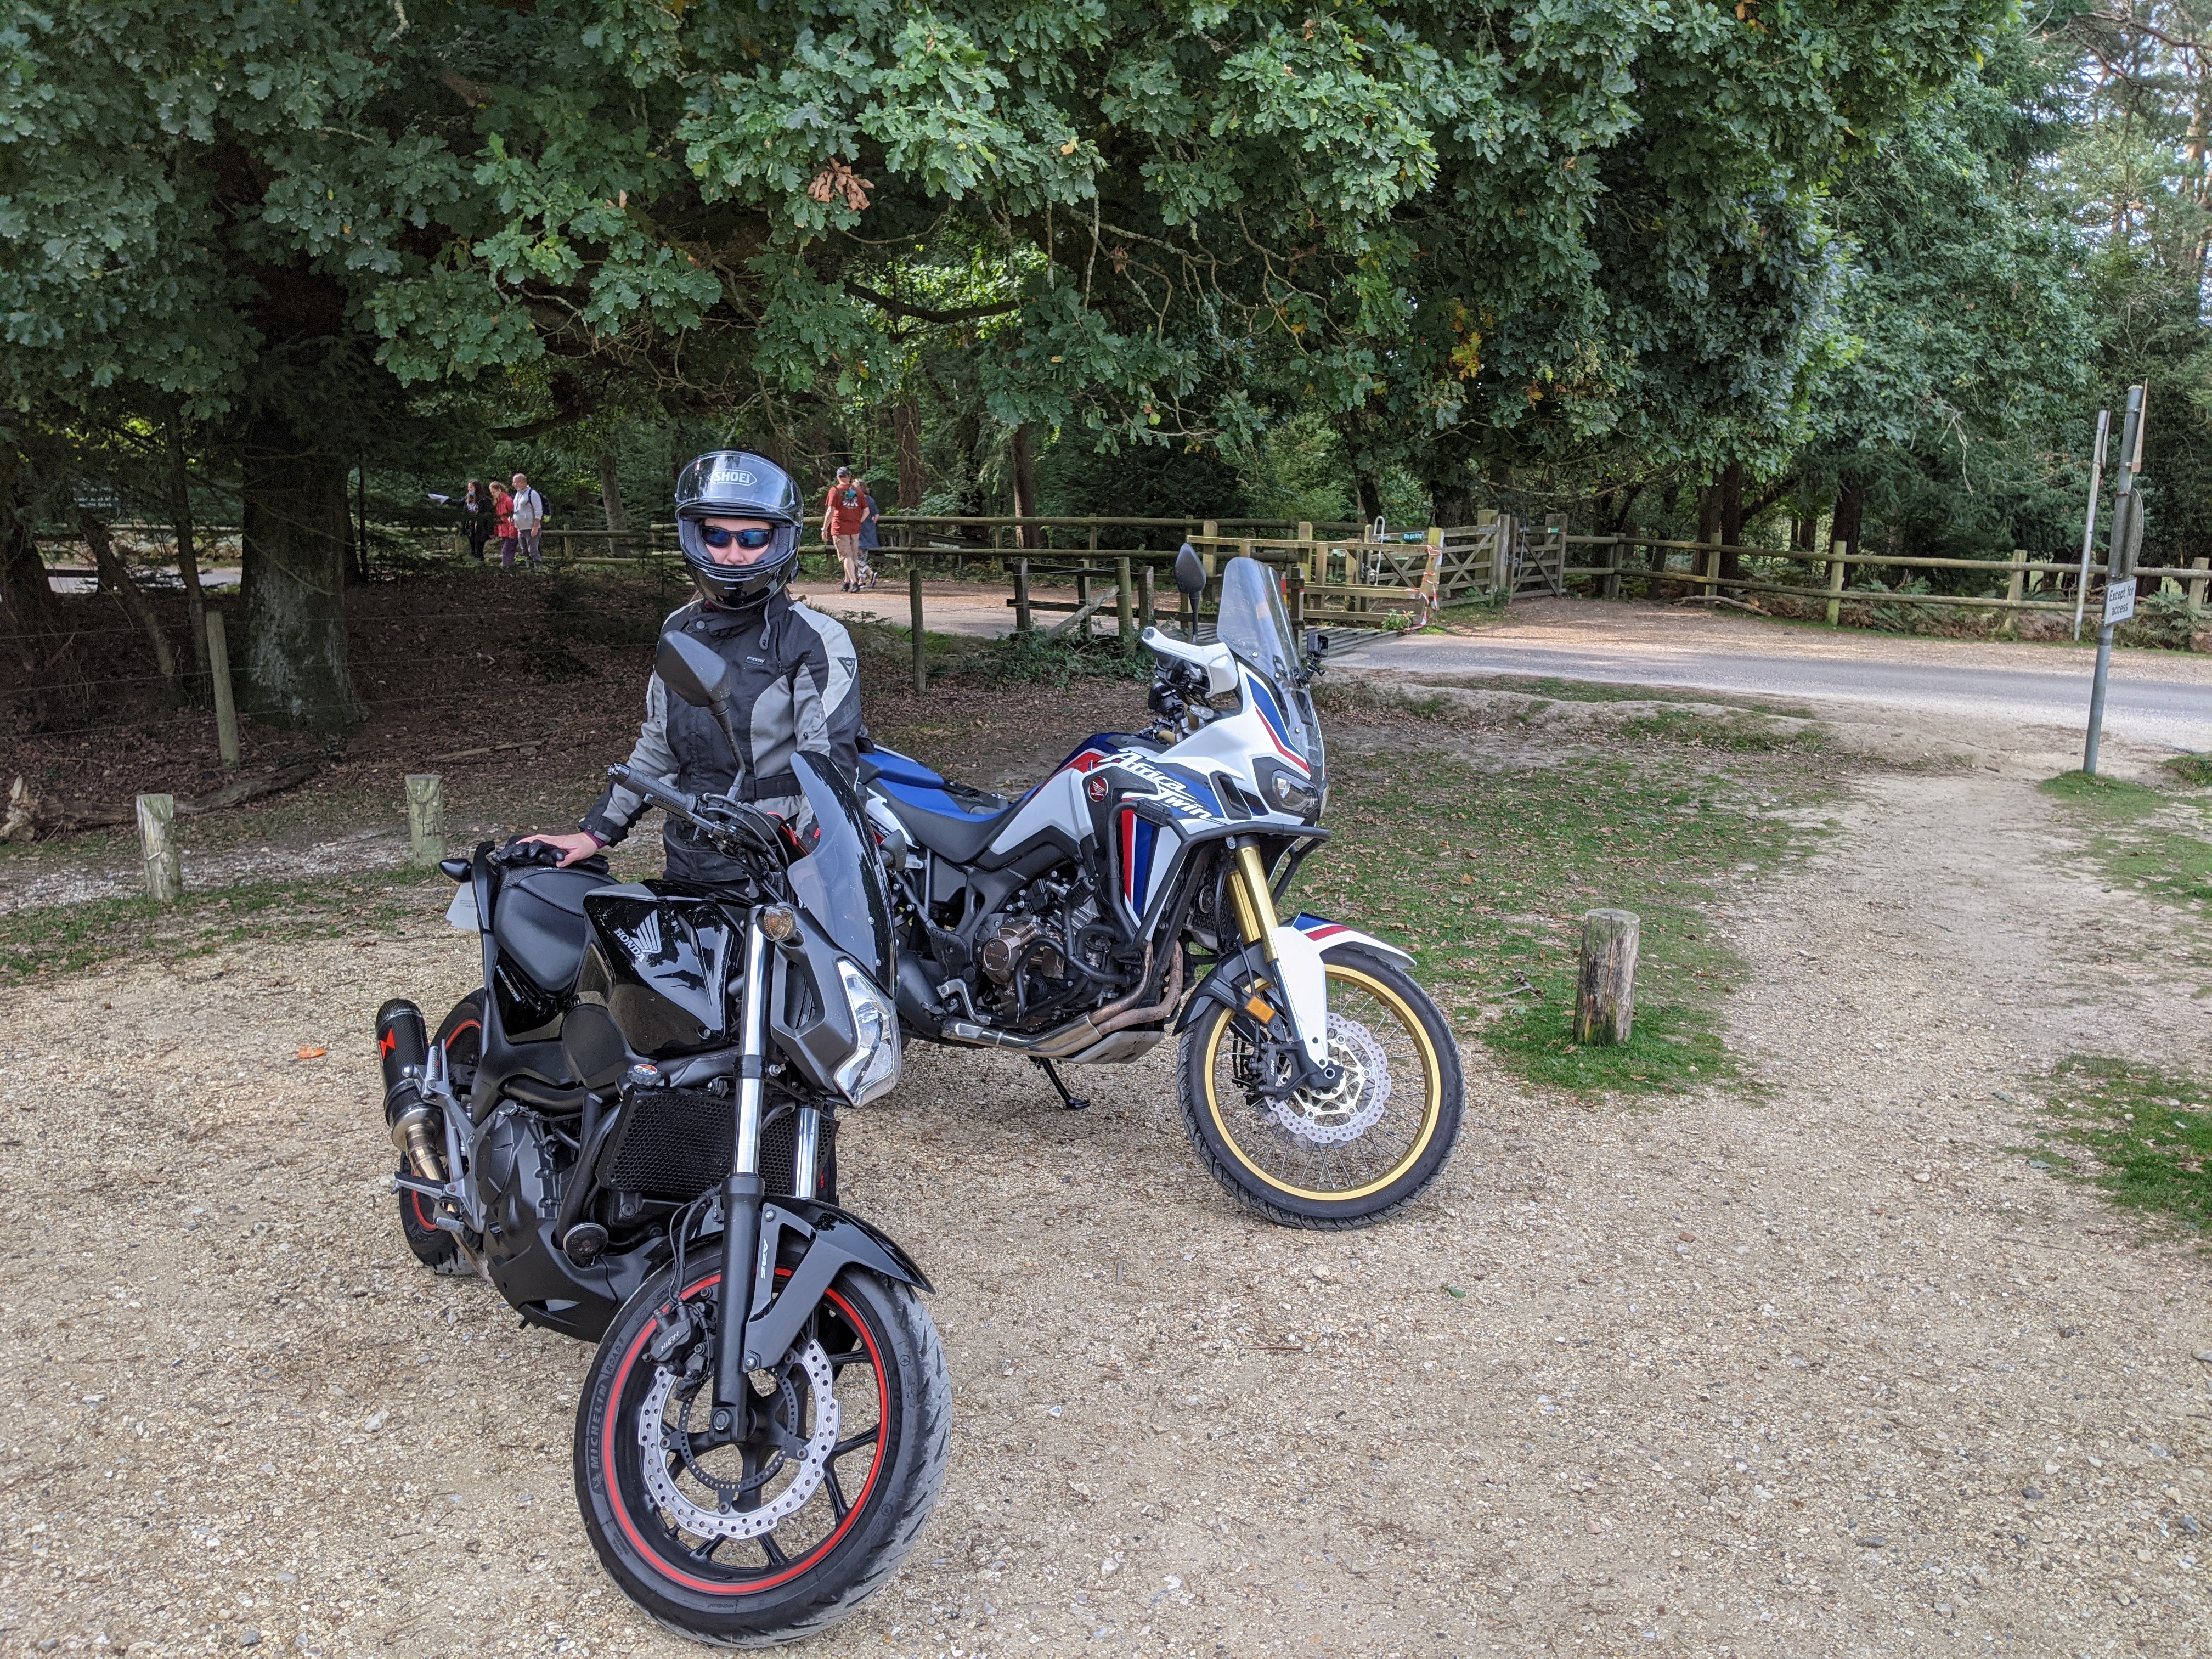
x=793 y=685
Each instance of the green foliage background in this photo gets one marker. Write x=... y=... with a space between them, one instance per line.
x=1756 y=265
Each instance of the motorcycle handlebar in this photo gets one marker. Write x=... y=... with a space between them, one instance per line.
x=653 y=793
x=753 y=831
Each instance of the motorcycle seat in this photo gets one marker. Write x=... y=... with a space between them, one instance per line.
x=960 y=838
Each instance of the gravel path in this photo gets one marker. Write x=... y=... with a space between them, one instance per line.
x=1769 y=1377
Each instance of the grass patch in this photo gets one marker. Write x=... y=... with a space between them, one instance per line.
x=56 y=939
x=2192 y=771
x=2142 y=1135
x=1745 y=733
x=1484 y=876
x=2159 y=844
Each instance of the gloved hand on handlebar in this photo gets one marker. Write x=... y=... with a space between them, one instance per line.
x=574 y=848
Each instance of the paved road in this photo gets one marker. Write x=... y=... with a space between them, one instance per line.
x=2157 y=697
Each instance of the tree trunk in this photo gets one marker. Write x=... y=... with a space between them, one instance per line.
x=1452 y=504
x=906 y=425
x=188 y=558
x=1851 y=513
x=1024 y=487
x=1731 y=520
x=115 y=577
x=297 y=531
x=611 y=491
x=1709 y=513
x=968 y=440
x=1368 y=487
x=44 y=654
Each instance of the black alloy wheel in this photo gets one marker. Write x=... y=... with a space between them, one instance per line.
x=752 y=1534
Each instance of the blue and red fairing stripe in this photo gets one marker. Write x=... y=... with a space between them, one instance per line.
x=1139 y=839
x=1271 y=716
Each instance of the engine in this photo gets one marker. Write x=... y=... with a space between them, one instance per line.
x=1044 y=951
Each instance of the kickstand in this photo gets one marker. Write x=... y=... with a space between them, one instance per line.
x=1060 y=1088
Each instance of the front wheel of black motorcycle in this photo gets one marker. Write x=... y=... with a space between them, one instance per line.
x=775 y=1530
x=1344 y=1158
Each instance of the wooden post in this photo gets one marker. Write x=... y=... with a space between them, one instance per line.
x=226 y=705
x=1122 y=598
x=425 y=818
x=1836 y=570
x=920 y=640
x=1616 y=550
x=1147 y=608
x=1294 y=597
x=1605 y=989
x=2196 y=583
x=1209 y=528
x=157 y=846
x=1082 y=598
x=1021 y=596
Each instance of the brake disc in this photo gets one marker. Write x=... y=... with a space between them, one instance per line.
x=1348 y=1111
x=808 y=1468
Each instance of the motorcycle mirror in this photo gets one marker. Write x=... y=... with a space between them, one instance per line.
x=693 y=671
x=1190 y=570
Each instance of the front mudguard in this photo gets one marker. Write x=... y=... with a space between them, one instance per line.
x=832 y=1240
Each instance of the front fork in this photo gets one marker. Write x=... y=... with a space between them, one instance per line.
x=1293 y=965
x=742 y=1190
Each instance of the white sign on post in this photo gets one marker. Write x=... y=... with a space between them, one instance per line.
x=2119 y=602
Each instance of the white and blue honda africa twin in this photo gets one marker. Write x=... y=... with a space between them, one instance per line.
x=1318 y=1080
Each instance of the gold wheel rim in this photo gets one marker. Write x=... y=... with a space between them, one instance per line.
x=1433 y=1109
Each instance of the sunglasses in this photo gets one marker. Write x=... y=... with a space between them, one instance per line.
x=751 y=540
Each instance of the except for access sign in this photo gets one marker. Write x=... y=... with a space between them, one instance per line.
x=2119 y=602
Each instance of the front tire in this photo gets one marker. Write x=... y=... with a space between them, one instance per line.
x=883 y=1464
x=1340 y=1162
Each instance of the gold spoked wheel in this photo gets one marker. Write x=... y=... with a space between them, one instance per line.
x=1343 y=1158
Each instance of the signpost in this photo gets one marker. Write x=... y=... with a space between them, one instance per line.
x=2089 y=528
x=2122 y=545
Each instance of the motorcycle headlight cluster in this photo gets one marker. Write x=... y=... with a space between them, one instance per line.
x=1284 y=791
x=874 y=1065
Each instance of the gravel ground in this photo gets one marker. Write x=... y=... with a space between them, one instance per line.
x=1826 y=1370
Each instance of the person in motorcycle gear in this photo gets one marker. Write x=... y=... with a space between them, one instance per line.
x=794 y=672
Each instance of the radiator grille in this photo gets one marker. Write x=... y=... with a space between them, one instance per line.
x=675 y=1144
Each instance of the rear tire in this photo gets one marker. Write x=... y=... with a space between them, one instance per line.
x=432 y=1247
x=843 y=1543
x=1338 y=1174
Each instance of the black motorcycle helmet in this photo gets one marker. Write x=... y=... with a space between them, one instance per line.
x=735 y=484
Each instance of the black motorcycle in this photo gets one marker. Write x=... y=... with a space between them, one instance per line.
x=638 y=1110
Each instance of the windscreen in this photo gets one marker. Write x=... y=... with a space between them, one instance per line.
x=839 y=882
x=1254 y=625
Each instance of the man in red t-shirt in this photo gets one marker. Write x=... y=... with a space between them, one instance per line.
x=845 y=510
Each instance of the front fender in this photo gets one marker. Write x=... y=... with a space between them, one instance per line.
x=1330 y=935
x=1220 y=985
x=835 y=1240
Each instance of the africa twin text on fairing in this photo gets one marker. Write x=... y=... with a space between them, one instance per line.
x=1318 y=1080
x=637 y=1111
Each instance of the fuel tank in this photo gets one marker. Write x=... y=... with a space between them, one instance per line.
x=658 y=958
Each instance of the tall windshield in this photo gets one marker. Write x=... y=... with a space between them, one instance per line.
x=839 y=882
x=1254 y=625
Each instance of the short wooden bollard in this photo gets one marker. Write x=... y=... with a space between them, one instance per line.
x=920 y=641
x=157 y=845
x=1021 y=596
x=226 y=707
x=1148 y=607
x=1605 y=990
x=425 y=818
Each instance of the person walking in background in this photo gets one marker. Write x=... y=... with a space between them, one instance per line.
x=478 y=518
x=844 y=511
x=502 y=510
x=529 y=517
x=871 y=538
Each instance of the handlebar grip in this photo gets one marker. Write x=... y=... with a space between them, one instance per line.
x=651 y=791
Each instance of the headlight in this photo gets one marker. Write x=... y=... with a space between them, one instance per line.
x=1285 y=792
x=874 y=1065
